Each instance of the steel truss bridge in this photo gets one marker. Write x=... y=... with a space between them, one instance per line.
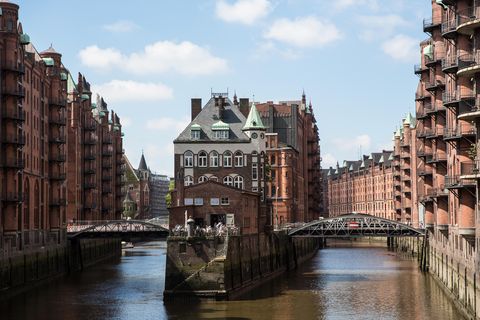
x=124 y=229
x=354 y=225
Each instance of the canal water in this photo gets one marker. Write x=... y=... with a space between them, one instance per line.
x=340 y=282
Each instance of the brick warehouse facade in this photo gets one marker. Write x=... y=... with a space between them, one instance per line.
x=35 y=154
x=221 y=146
x=293 y=152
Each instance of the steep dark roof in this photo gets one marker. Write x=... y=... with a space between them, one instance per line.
x=49 y=50
x=209 y=116
x=143 y=164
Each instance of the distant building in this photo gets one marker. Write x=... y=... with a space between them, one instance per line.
x=147 y=191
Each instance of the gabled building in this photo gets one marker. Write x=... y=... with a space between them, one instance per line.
x=224 y=143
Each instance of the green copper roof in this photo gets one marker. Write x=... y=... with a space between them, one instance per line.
x=85 y=96
x=63 y=76
x=398 y=134
x=220 y=125
x=410 y=120
x=24 y=39
x=49 y=62
x=254 y=122
x=428 y=51
x=101 y=114
x=440 y=2
x=196 y=127
x=94 y=105
x=71 y=86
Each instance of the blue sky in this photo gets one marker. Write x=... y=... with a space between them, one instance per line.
x=354 y=58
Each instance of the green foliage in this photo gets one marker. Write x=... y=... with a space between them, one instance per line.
x=168 y=197
x=472 y=151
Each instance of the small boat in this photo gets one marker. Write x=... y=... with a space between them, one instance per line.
x=127 y=245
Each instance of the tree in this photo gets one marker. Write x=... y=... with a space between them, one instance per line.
x=168 y=197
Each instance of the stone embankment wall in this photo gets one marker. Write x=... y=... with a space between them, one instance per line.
x=454 y=270
x=223 y=268
x=26 y=270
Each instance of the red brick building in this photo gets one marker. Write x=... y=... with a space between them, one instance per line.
x=293 y=152
x=39 y=154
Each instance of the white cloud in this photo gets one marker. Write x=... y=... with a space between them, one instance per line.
x=402 y=48
x=353 y=145
x=266 y=49
x=131 y=91
x=377 y=27
x=328 y=160
x=174 y=126
x=340 y=5
x=121 y=26
x=163 y=56
x=303 y=32
x=242 y=11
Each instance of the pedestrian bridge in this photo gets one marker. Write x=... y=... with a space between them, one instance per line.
x=354 y=225
x=124 y=229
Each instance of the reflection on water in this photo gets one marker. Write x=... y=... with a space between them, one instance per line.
x=338 y=283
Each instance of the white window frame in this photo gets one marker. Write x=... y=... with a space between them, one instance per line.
x=202 y=179
x=202 y=159
x=214 y=159
x=227 y=159
x=195 y=134
x=254 y=171
x=188 y=159
x=214 y=201
x=238 y=159
x=238 y=182
x=224 y=201
x=188 y=181
x=228 y=180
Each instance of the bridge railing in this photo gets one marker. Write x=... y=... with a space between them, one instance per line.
x=111 y=226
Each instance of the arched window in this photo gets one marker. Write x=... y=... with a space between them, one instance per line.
x=228 y=181
x=188 y=159
x=188 y=181
x=214 y=178
x=238 y=182
x=202 y=179
x=238 y=159
x=227 y=159
x=202 y=159
x=214 y=159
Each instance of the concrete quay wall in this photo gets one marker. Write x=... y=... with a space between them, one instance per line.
x=26 y=270
x=223 y=269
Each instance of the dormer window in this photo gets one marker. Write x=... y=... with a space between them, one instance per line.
x=195 y=132
x=221 y=130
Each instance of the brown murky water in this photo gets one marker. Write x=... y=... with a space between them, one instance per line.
x=338 y=283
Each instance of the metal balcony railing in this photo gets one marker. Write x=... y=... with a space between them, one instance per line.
x=467 y=15
x=449 y=27
x=14 y=114
x=58 y=119
x=459 y=132
x=16 y=139
x=17 y=91
x=58 y=139
x=454 y=181
x=468 y=60
x=58 y=158
x=58 y=102
x=14 y=66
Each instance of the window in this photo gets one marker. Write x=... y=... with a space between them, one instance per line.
x=228 y=181
x=188 y=181
x=272 y=159
x=214 y=178
x=221 y=134
x=188 y=201
x=238 y=159
x=198 y=201
x=195 y=134
x=214 y=201
x=202 y=159
x=238 y=182
x=214 y=159
x=254 y=171
x=227 y=159
x=224 y=201
x=188 y=159
x=202 y=179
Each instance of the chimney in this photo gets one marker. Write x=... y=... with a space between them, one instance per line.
x=244 y=106
x=220 y=106
x=196 y=107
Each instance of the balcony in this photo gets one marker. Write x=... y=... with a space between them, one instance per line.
x=430 y=24
x=423 y=172
x=455 y=182
x=58 y=202
x=90 y=171
x=463 y=131
x=405 y=155
x=90 y=156
x=434 y=133
x=449 y=28
x=434 y=85
x=60 y=139
x=58 y=119
x=420 y=96
x=468 y=20
x=13 y=66
x=14 y=163
x=14 y=139
x=90 y=141
x=107 y=140
x=436 y=158
x=58 y=102
x=450 y=64
x=107 y=165
x=418 y=69
x=469 y=64
x=89 y=185
x=450 y=99
x=470 y=170
x=90 y=126
x=58 y=176
x=18 y=91
x=107 y=153
x=421 y=114
x=433 y=60
x=423 y=133
x=106 y=190
x=57 y=158
x=12 y=197
x=469 y=112
x=17 y=114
